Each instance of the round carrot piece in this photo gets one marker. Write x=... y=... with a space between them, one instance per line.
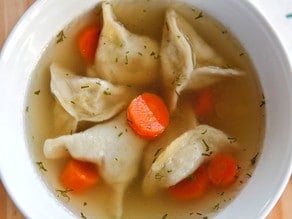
x=88 y=41
x=148 y=115
x=222 y=170
x=79 y=175
x=193 y=186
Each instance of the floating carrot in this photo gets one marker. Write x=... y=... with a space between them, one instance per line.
x=148 y=116
x=88 y=41
x=222 y=170
x=204 y=105
x=79 y=175
x=193 y=186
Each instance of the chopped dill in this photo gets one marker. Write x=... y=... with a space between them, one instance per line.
x=157 y=152
x=41 y=166
x=164 y=216
x=64 y=193
x=216 y=207
x=27 y=109
x=207 y=148
x=204 y=132
x=158 y=176
x=232 y=140
x=254 y=159
x=60 y=36
x=83 y=216
x=200 y=15
x=120 y=134
x=85 y=86
x=37 y=92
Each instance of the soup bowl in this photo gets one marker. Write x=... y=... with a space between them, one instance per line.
x=43 y=21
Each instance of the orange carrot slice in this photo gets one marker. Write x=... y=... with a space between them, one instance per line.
x=222 y=170
x=79 y=175
x=88 y=41
x=191 y=187
x=148 y=115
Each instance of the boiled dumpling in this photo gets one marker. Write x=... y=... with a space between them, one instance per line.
x=63 y=123
x=184 y=155
x=182 y=120
x=187 y=61
x=113 y=146
x=123 y=57
x=89 y=99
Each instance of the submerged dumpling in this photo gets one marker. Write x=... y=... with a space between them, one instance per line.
x=89 y=99
x=184 y=155
x=123 y=57
x=187 y=61
x=113 y=146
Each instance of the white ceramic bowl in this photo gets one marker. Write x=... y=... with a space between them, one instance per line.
x=41 y=23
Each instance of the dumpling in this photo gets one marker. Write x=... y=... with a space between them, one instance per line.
x=123 y=57
x=187 y=61
x=113 y=146
x=184 y=155
x=89 y=99
x=182 y=120
x=63 y=122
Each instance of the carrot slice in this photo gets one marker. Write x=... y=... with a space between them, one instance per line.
x=148 y=115
x=193 y=186
x=204 y=103
x=79 y=175
x=222 y=170
x=88 y=41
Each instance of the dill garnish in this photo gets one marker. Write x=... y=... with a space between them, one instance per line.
x=41 y=166
x=60 y=36
x=64 y=193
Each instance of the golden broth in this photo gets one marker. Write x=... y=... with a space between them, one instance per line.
x=239 y=112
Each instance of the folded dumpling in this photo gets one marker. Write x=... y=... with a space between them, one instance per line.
x=187 y=60
x=112 y=145
x=184 y=155
x=123 y=57
x=89 y=99
x=182 y=120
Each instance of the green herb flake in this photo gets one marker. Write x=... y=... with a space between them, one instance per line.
x=164 y=216
x=200 y=15
x=191 y=177
x=140 y=54
x=216 y=207
x=27 y=109
x=241 y=54
x=204 y=132
x=144 y=10
x=169 y=171
x=85 y=86
x=248 y=174
x=37 y=92
x=41 y=166
x=120 y=134
x=60 y=36
x=263 y=101
x=289 y=15
x=178 y=36
x=232 y=140
x=254 y=159
x=98 y=83
x=82 y=215
x=157 y=152
x=72 y=102
x=145 y=46
x=126 y=60
x=198 y=213
x=106 y=92
x=224 y=31
x=191 y=213
x=205 y=217
x=152 y=53
x=84 y=203
x=64 y=193
x=116 y=159
x=207 y=148
x=207 y=154
x=158 y=176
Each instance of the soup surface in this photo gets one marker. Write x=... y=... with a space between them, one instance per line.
x=237 y=110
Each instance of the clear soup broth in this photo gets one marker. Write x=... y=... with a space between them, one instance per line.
x=239 y=112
